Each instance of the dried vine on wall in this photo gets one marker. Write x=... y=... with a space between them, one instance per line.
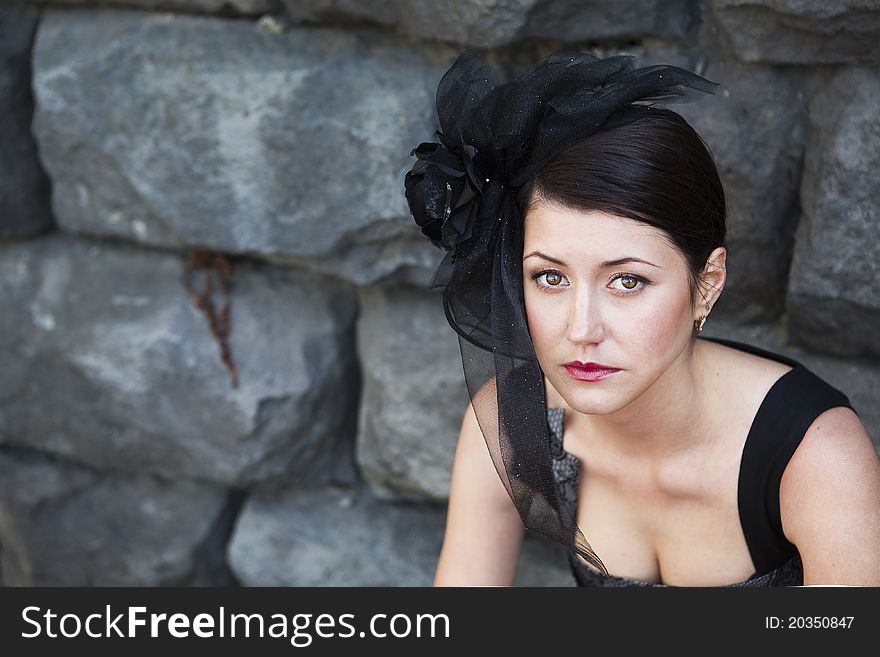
x=214 y=266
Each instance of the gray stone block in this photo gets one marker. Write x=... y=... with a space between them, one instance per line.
x=110 y=363
x=834 y=299
x=221 y=7
x=65 y=525
x=338 y=537
x=24 y=187
x=755 y=127
x=334 y=537
x=496 y=23
x=598 y=20
x=188 y=131
x=414 y=393
x=801 y=31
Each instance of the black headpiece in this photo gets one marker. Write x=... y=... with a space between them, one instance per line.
x=494 y=138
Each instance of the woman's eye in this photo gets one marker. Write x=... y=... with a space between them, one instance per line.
x=630 y=282
x=551 y=279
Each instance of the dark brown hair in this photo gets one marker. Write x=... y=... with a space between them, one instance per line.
x=649 y=165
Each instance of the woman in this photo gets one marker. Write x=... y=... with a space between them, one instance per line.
x=585 y=237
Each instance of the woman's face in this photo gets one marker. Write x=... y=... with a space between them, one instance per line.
x=634 y=316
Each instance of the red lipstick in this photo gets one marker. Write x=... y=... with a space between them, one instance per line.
x=589 y=371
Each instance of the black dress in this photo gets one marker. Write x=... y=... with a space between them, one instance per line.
x=789 y=408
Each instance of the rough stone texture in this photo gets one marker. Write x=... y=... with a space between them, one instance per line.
x=108 y=362
x=222 y=7
x=834 y=298
x=755 y=127
x=334 y=537
x=498 y=22
x=597 y=20
x=801 y=31
x=65 y=525
x=290 y=146
x=858 y=380
x=24 y=187
x=414 y=394
x=467 y=22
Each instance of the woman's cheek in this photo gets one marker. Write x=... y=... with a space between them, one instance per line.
x=659 y=324
x=546 y=321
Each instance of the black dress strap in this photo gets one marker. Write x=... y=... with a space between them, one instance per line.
x=791 y=405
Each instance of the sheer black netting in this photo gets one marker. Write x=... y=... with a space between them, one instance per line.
x=495 y=136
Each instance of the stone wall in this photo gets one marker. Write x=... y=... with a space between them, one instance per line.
x=222 y=363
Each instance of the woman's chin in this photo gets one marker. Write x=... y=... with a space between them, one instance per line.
x=579 y=397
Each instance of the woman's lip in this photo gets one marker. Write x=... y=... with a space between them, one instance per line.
x=582 y=374
x=589 y=366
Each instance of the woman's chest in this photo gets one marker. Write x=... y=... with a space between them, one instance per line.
x=678 y=524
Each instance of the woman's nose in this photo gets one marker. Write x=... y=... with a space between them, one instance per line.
x=585 y=320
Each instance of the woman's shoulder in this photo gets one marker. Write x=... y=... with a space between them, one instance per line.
x=741 y=362
x=828 y=500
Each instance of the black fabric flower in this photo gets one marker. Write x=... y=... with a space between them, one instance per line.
x=443 y=191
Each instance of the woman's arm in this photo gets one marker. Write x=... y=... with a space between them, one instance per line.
x=484 y=532
x=829 y=500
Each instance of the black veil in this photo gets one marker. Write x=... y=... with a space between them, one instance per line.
x=495 y=136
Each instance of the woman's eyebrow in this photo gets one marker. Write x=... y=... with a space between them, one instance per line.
x=603 y=265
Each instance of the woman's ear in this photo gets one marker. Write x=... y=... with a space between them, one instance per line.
x=712 y=278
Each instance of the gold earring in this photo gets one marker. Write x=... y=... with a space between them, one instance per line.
x=702 y=319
